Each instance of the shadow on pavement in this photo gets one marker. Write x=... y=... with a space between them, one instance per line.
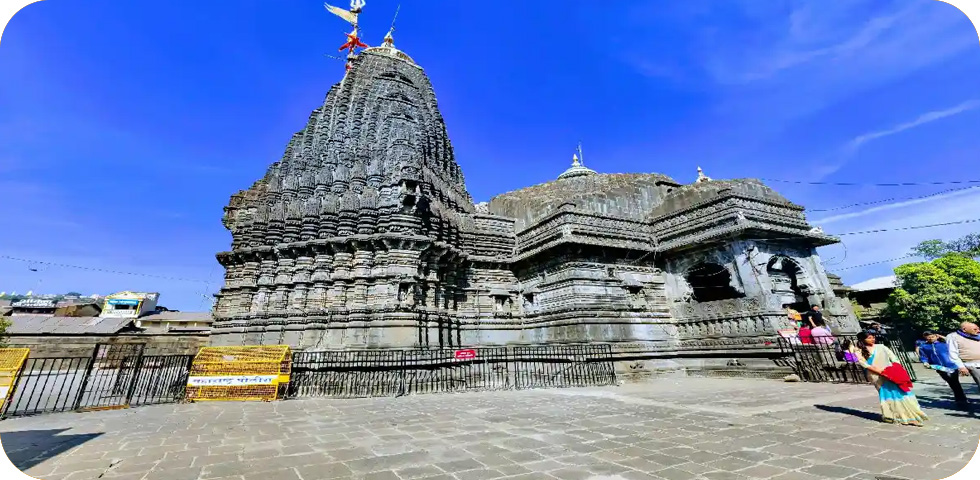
x=31 y=447
x=850 y=411
x=931 y=402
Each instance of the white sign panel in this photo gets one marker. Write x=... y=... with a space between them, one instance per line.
x=231 y=381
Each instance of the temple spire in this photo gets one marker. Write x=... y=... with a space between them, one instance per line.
x=389 y=40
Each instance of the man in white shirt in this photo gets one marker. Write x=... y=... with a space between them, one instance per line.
x=964 y=350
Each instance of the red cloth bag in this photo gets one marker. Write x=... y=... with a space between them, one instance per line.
x=897 y=374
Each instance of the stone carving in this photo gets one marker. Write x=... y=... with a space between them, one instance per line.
x=365 y=225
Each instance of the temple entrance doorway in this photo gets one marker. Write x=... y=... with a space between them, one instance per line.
x=786 y=276
x=711 y=282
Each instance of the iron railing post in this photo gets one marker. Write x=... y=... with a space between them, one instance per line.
x=135 y=379
x=85 y=378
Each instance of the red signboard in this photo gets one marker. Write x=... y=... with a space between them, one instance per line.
x=465 y=354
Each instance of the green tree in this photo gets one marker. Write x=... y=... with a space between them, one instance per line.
x=4 y=324
x=967 y=245
x=858 y=309
x=937 y=295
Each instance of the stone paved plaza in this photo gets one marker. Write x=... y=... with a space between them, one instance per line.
x=672 y=428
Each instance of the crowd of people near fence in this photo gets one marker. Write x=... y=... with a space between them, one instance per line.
x=875 y=357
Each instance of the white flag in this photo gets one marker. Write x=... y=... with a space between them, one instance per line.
x=340 y=12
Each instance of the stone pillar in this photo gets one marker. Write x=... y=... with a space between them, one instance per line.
x=340 y=276
x=362 y=262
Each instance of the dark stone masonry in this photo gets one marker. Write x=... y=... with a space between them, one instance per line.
x=363 y=236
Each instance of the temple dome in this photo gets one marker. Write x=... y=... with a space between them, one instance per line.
x=577 y=169
x=388 y=49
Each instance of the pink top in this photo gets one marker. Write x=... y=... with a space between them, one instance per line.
x=822 y=335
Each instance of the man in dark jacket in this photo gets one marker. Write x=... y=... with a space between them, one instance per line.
x=934 y=354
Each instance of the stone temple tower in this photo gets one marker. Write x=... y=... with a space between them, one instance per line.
x=355 y=225
x=363 y=235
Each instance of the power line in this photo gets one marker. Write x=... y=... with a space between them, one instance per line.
x=915 y=227
x=888 y=200
x=875 y=263
x=860 y=184
x=91 y=269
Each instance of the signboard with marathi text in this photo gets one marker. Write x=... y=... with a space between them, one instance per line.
x=465 y=354
x=122 y=301
x=232 y=380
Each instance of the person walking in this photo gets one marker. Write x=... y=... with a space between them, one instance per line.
x=898 y=403
x=964 y=350
x=934 y=354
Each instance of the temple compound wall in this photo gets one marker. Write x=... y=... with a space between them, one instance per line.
x=363 y=236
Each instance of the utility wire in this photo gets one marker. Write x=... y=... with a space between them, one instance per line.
x=859 y=184
x=91 y=269
x=875 y=263
x=915 y=227
x=888 y=200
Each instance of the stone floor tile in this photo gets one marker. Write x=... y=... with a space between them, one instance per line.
x=724 y=475
x=729 y=464
x=572 y=474
x=762 y=471
x=412 y=473
x=869 y=464
x=325 y=471
x=382 y=475
x=460 y=466
x=830 y=471
x=676 y=474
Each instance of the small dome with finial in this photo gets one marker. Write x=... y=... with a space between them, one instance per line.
x=577 y=169
x=702 y=177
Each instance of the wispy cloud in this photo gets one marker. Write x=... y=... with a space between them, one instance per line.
x=878 y=210
x=923 y=119
x=838 y=159
x=766 y=61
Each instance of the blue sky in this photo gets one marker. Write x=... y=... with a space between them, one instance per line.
x=126 y=126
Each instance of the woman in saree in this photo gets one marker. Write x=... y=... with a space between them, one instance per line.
x=897 y=406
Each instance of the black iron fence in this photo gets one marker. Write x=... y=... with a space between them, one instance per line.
x=120 y=375
x=114 y=376
x=373 y=373
x=833 y=360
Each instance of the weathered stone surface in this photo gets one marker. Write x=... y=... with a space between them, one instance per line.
x=356 y=438
x=364 y=235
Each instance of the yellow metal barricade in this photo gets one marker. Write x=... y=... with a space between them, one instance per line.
x=11 y=360
x=243 y=373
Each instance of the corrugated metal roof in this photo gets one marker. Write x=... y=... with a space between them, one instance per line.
x=178 y=316
x=878 y=283
x=48 y=325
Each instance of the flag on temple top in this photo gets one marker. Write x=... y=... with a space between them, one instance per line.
x=348 y=16
x=352 y=42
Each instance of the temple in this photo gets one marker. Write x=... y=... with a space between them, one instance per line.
x=364 y=236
